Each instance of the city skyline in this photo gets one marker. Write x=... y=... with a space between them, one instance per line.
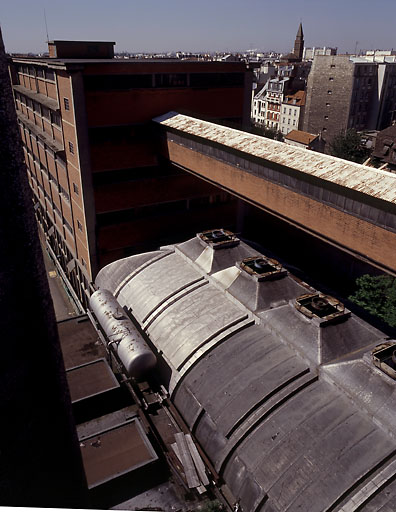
x=199 y=26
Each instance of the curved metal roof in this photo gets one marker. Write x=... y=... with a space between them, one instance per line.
x=289 y=408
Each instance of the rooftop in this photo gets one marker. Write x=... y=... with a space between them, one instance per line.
x=276 y=380
x=301 y=137
x=366 y=180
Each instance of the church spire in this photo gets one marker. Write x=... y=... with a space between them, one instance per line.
x=299 y=43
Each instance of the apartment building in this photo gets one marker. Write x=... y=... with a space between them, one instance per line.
x=292 y=112
x=349 y=92
x=100 y=190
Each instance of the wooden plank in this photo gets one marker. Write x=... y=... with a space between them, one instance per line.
x=188 y=464
x=198 y=462
x=176 y=451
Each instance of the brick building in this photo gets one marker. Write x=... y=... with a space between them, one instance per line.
x=349 y=92
x=101 y=192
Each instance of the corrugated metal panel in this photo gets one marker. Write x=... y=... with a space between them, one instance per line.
x=373 y=182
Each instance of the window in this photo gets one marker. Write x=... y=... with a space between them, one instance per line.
x=75 y=189
x=46 y=112
x=55 y=118
x=79 y=225
x=49 y=75
x=64 y=193
x=171 y=80
x=332 y=65
x=71 y=147
x=327 y=104
x=329 y=92
x=66 y=103
x=67 y=225
x=331 y=79
x=326 y=117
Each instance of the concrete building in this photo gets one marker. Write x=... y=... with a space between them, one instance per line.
x=349 y=92
x=310 y=53
x=100 y=190
x=288 y=394
x=292 y=112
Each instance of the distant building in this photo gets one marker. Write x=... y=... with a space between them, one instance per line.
x=267 y=103
x=100 y=190
x=310 y=53
x=292 y=112
x=385 y=147
x=349 y=92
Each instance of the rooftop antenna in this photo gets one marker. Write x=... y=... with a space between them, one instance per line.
x=46 y=26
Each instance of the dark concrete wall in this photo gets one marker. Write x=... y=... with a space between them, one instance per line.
x=321 y=102
x=40 y=461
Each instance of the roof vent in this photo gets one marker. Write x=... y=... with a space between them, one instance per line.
x=384 y=357
x=218 y=238
x=262 y=269
x=323 y=308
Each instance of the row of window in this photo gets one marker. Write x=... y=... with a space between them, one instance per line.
x=51 y=177
x=162 y=80
x=38 y=108
x=37 y=72
x=290 y=111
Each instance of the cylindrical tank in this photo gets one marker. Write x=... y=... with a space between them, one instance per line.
x=122 y=335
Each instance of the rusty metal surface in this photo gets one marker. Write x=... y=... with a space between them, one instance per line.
x=90 y=379
x=79 y=341
x=367 y=180
x=115 y=452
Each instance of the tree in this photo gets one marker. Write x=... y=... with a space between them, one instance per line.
x=348 y=145
x=377 y=294
x=270 y=133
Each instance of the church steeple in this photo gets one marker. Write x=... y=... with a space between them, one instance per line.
x=299 y=43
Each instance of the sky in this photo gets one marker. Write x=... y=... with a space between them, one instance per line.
x=200 y=26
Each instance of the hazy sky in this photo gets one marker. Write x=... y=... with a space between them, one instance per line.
x=205 y=25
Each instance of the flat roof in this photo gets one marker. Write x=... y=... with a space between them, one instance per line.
x=366 y=180
x=115 y=452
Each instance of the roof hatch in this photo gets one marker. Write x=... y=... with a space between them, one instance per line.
x=384 y=357
x=262 y=269
x=218 y=238
x=322 y=307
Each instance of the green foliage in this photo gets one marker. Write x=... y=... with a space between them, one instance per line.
x=348 y=145
x=270 y=133
x=377 y=294
x=213 y=506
